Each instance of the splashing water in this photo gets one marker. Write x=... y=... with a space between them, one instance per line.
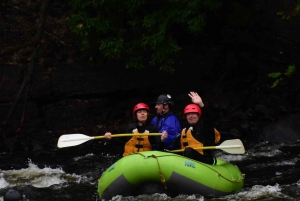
x=35 y=176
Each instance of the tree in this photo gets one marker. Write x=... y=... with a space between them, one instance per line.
x=279 y=76
x=26 y=83
x=138 y=31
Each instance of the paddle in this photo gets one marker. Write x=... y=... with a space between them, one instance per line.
x=230 y=146
x=76 y=139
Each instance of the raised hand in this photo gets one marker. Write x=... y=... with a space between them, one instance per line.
x=196 y=98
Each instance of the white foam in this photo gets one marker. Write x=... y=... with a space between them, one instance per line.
x=35 y=176
x=82 y=157
x=258 y=192
x=3 y=183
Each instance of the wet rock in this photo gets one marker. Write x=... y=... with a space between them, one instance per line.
x=286 y=130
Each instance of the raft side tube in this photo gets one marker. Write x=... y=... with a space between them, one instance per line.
x=177 y=173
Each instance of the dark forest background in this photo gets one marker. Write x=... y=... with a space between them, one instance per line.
x=62 y=73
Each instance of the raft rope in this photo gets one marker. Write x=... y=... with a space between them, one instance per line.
x=220 y=175
x=163 y=178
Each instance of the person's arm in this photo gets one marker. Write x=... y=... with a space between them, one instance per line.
x=156 y=141
x=206 y=117
x=172 y=127
x=153 y=122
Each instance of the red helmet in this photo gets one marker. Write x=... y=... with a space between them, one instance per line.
x=192 y=108
x=140 y=106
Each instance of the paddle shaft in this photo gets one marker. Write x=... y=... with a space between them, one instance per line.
x=129 y=134
x=76 y=139
x=210 y=147
x=230 y=146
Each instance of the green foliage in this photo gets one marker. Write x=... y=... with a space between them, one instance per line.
x=286 y=13
x=298 y=6
x=284 y=16
x=138 y=31
x=278 y=76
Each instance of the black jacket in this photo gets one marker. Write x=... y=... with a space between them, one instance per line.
x=203 y=131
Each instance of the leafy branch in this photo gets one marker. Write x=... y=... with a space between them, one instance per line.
x=139 y=32
x=278 y=76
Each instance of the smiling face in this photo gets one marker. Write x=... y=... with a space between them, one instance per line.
x=192 y=118
x=142 y=115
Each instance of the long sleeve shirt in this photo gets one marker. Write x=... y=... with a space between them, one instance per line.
x=168 y=122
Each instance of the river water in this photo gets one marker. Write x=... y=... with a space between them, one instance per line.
x=71 y=174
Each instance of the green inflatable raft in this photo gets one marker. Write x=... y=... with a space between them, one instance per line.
x=171 y=174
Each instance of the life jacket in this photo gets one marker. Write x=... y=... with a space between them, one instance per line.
x=137 y=143
x=187 y=139
x=217 y=136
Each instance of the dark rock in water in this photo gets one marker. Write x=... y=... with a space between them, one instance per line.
x=12 y=195
x=284 y=131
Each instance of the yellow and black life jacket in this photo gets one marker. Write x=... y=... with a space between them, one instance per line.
x=217 y=136
x=137 y=143
x=187 y=139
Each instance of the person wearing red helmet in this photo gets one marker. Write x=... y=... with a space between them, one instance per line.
x=141 y=124
x=198 y=132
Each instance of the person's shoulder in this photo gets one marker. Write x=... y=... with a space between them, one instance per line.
x=172 y=117
x=131 y=124
x=186 y=125
x=130 y=127
x=151 y=128
x=154 y=118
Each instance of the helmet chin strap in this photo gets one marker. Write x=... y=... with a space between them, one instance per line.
x=162 y=112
